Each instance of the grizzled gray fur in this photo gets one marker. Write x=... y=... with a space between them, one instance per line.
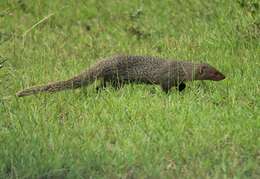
x=119 y=70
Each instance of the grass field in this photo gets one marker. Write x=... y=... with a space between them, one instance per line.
x=212 y=130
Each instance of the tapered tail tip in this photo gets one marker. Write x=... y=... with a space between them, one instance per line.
x=19 y=94
x=24 y=93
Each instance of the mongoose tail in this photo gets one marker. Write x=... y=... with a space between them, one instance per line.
x=52 y=87
x=83 y=79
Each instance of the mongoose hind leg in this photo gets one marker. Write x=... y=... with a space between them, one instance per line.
x=102 y=85
x=166 y=87
x=117 y=84
x=181 y=86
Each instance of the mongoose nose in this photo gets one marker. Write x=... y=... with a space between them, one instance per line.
x=221 y=77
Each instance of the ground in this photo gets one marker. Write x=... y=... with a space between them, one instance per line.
x=211 y=130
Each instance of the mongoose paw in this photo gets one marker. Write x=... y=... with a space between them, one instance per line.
x=165 y=89
x=117 y=84
x=99 y=88
x=181 y=86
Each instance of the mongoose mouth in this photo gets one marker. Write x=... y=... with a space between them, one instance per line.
x=219 y=76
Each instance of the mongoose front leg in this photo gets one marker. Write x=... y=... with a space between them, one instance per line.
x=181 y=86
x=166 y=86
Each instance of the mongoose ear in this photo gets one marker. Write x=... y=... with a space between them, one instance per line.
x=202 y=69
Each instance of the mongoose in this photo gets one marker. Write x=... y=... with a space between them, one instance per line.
x=119 y=70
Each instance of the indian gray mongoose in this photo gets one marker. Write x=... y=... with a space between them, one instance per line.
x=119 y=70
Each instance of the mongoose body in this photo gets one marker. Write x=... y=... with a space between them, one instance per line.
x=119 y=70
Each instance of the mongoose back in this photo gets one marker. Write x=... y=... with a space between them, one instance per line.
x=119 y=70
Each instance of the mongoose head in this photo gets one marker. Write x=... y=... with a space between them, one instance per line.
x=207 y=72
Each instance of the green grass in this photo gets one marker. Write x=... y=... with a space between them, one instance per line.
x=212 y=130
